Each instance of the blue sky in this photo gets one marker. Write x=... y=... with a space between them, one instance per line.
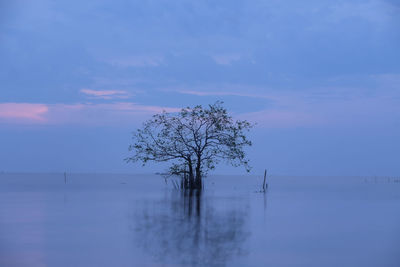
x=320 y=78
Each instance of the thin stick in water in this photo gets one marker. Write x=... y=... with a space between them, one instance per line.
x=265 y=185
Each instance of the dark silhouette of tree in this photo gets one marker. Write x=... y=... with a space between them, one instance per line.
x=195 y=140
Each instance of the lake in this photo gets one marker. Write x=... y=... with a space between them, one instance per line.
x=141 y=220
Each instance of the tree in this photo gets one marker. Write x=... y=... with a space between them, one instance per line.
x=195 y=140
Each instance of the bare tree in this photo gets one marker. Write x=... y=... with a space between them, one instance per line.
x=195 y=140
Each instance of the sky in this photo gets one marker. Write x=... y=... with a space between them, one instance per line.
x=320 y=78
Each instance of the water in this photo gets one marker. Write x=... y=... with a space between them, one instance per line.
x=140 y=220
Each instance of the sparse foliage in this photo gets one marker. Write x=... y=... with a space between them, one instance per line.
x=195 y=140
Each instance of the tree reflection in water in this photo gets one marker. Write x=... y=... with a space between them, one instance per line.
x=190 y=229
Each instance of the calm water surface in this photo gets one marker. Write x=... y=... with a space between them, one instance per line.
x=140 y=220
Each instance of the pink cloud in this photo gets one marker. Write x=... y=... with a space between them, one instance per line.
x=105 y=94
x=80 y=113
x=23 y=111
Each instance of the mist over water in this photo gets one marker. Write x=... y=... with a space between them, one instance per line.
x=140 y=220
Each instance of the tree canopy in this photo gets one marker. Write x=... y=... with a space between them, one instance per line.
x=195 y=140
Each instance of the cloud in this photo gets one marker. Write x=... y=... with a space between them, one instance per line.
x=137 y=61
x=116 y=114
x=218 y=92
x=330 y=111
x=23 y=112
x=126 y=106
x=376 y=11
x=79 y=113
x=105 y=94
x=282 y=118
x=329 y=106
x=209 y=93
x=226 y=59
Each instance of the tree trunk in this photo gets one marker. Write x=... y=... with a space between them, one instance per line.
x=198 y=175
x=191 y=176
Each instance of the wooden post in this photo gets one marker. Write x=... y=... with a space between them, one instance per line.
x=265 y=185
